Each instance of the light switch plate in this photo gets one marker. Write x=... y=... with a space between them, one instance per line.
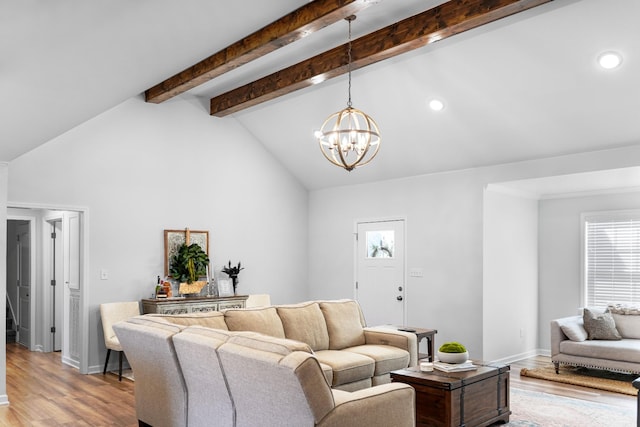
x=416 y=272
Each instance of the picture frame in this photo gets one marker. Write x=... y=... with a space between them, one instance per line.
x=225 y=288
x=173 y=239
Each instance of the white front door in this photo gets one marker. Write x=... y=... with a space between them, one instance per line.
x=380 y=272
x=23 y=245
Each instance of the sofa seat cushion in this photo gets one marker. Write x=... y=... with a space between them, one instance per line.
x=345 y=324
x=346 y=366
x=305 y=322
x=211 y=319
x=264 y=320
x=387 y=358
x=627 y=350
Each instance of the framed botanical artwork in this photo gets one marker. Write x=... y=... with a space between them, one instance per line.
x=173 y=239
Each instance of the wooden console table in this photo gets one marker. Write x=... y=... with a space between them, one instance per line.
x=192 y=304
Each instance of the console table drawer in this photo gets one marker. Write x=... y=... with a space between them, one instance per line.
x=192 y=304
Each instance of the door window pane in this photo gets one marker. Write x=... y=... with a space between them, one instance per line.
x=380 y=244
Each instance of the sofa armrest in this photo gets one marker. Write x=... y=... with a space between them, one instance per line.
x=380 y=406
x=556 y=333
x=385 y=336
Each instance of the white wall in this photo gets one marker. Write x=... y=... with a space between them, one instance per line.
x=510 y=275
x=4 y=182
x=444 y=238
x=141 y=168
x=561 y=252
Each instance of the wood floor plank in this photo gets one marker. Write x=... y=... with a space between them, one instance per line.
x=44 y=392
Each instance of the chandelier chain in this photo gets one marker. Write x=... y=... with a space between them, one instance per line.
x=349 y=62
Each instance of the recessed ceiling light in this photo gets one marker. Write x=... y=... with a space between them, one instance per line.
x=436 y=105
x=610 y=60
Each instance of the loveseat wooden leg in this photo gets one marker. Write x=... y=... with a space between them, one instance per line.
x=557 y=365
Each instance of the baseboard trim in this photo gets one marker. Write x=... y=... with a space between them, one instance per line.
x=517 y=357
x=4 y=400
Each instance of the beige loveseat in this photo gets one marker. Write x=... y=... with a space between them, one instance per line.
x=572 y=345
x=350 y=356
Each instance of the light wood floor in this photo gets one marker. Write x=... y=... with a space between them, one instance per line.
x=44 y=392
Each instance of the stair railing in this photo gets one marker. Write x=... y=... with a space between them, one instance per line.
x=13 y=313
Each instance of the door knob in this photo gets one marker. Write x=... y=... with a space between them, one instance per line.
x=399 y=297
x=400 y=288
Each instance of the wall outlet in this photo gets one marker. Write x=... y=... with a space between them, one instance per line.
x=104 y=274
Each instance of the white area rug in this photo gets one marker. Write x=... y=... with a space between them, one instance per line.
x=535 y=409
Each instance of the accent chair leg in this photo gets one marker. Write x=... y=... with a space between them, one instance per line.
x=557 y=365
x=106 y=362
x=120 y=365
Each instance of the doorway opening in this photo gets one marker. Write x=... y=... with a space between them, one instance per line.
x=49 y=302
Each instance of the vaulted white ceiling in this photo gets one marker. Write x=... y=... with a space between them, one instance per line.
x=525 y=87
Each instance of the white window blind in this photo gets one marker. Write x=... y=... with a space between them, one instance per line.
x=612 y=258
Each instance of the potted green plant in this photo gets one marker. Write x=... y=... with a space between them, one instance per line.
x=453 y=352
x=187 y=266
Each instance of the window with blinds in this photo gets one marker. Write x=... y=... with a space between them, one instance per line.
x=612 y=258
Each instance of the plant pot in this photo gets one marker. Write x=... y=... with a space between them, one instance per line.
x=191 y=288
x=453 y=357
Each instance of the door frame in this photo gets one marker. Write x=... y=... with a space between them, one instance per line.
x=84 y=271
x=402 y=218
x=34 y=278
x=48 y=292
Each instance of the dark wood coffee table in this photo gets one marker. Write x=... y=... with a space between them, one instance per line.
x=459 y=399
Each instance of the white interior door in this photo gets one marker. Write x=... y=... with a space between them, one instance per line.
x=380 y=272
x=71 y=274
x=23 y=242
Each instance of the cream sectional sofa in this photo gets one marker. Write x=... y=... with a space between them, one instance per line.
x=351 y=356
x=570 y=343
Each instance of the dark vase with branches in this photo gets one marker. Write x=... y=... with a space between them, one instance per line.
x=232 y=272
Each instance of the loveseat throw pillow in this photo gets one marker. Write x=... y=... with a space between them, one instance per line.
x=600 y=326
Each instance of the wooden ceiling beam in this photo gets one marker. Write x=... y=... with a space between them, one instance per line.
x=298 y=24
x=435 y=24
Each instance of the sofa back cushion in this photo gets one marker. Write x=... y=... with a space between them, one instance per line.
x=264 y=320
x=627 y=318
x=208 y=398
x=160 y=391
x=211 y=319
x=271 y=389
x=261 y=342
x=345 y=323
x=305 y=322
